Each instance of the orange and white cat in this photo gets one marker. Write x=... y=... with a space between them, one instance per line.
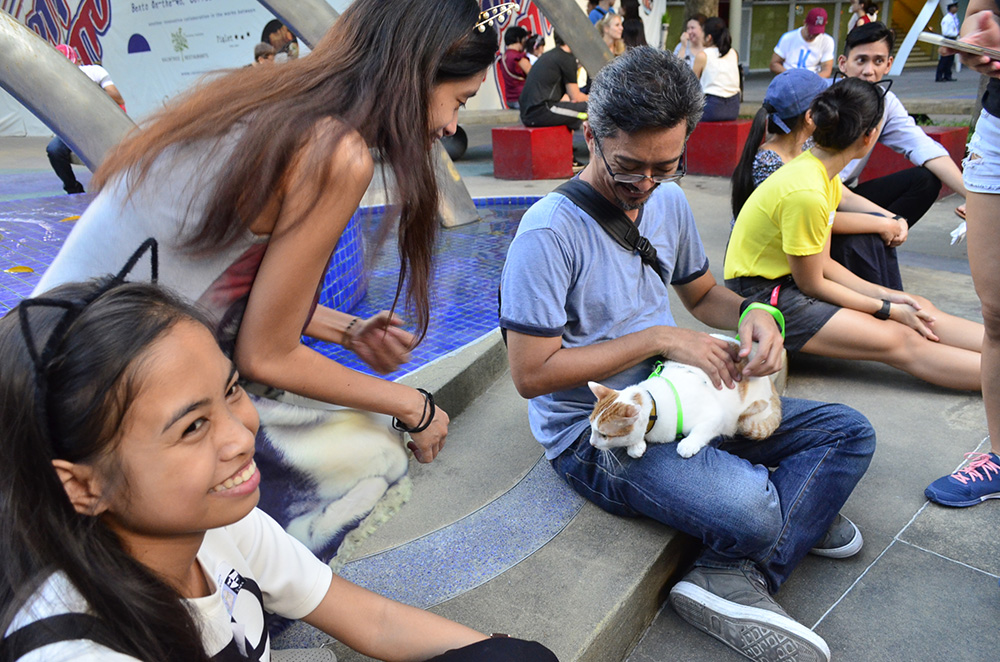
x=751 y=409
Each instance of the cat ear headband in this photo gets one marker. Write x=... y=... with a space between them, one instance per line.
x=497 y=13
x=72 y=308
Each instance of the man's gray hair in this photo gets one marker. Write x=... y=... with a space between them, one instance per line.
x=645 y=88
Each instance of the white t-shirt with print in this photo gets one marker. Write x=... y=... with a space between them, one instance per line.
x=798 y=53
x=235 y=558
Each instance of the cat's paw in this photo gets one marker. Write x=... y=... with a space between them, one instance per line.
x=637 y=450
x=686 y=448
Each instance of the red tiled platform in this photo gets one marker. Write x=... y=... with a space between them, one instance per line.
x=520 y=152
x=884 y=161
x=714 y=147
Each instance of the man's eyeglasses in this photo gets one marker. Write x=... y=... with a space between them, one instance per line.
x=631 y=178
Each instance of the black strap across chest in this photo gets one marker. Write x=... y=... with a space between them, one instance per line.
x=56 y=629
x=614 y=221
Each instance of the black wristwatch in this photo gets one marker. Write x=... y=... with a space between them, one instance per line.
x=883 y=312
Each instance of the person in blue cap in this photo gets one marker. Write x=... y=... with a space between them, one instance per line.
x=864 y=238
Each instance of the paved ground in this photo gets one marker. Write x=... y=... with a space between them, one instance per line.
x=925 y=585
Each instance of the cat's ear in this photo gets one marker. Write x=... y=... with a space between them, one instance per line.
x=600 y=391
x=630 y=412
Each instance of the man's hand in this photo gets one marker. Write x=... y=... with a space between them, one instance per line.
x=760 y=327
x=701 y=350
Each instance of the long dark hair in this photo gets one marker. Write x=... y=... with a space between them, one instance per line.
x=91 y=380
x=716 y=28
x=374 y=71
x=743 y=174
x=845 y=111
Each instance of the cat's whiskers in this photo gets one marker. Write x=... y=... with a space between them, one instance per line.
x=610 y=460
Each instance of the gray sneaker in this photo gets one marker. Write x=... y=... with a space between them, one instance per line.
x=841 y=540
x=734 y=606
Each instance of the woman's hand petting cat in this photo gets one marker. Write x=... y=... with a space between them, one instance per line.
x=380 y=341
x=761 y=328
x=427 y=444
x=701 y=350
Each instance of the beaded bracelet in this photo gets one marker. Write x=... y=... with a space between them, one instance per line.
x=425 y=419
x=347 y=333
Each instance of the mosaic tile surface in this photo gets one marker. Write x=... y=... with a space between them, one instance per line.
x=468 y=261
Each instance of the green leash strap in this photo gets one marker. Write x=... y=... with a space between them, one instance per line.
x=657 y=370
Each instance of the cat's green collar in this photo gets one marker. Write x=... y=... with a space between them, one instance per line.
x=657 y=372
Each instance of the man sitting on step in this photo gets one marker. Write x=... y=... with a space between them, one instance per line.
x=577 y=306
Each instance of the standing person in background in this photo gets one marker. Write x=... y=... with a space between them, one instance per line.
x=949 y=28
x=57 y=150
x=692 y=39
x=601 y=9
x=514 y=65
x=717 y=67
x=551 y=79
x=980 y=478
x=808 y=47
x=652 y=20
x=862 y=12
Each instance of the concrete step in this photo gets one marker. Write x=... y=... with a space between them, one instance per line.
x=491 y=537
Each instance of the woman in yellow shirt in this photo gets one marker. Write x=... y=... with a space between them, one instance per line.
x=779 y=253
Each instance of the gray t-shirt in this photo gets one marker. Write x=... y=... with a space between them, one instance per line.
x=566 y=277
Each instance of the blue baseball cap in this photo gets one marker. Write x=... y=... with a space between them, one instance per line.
x=790 y=94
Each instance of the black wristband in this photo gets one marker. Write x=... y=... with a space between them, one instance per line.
x=743 y=306
x=883 y=312
x=425 y=419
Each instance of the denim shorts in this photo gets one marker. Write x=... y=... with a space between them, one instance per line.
x=981 y=168
x=804 y=315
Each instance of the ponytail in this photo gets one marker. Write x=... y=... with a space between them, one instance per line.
x=743 y=184
x=846 y=111
x=716 y=28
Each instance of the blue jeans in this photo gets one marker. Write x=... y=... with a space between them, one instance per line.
x=744 y=514
x=59 y=155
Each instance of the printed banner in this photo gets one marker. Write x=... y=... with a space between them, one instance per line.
x=153 y=49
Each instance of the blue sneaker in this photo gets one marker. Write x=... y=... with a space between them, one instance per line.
x=974 y=483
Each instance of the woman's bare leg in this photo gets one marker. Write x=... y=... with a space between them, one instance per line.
x=954 y=331
x=983 y=213
x=850 y=334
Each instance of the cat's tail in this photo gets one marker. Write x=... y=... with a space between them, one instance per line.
x=761 y=418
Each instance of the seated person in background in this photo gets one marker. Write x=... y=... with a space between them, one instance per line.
x=551 y=79
x=610 y=29
x=692 y=39
x=718 y=68
x=864 y=239
x=779 y=252
x=59 y=153
x=908 y=193
x=862 y=13
x=514 y=65
x=263 y=53
x=808 y=47
x=578 y=307
x=534 y=46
